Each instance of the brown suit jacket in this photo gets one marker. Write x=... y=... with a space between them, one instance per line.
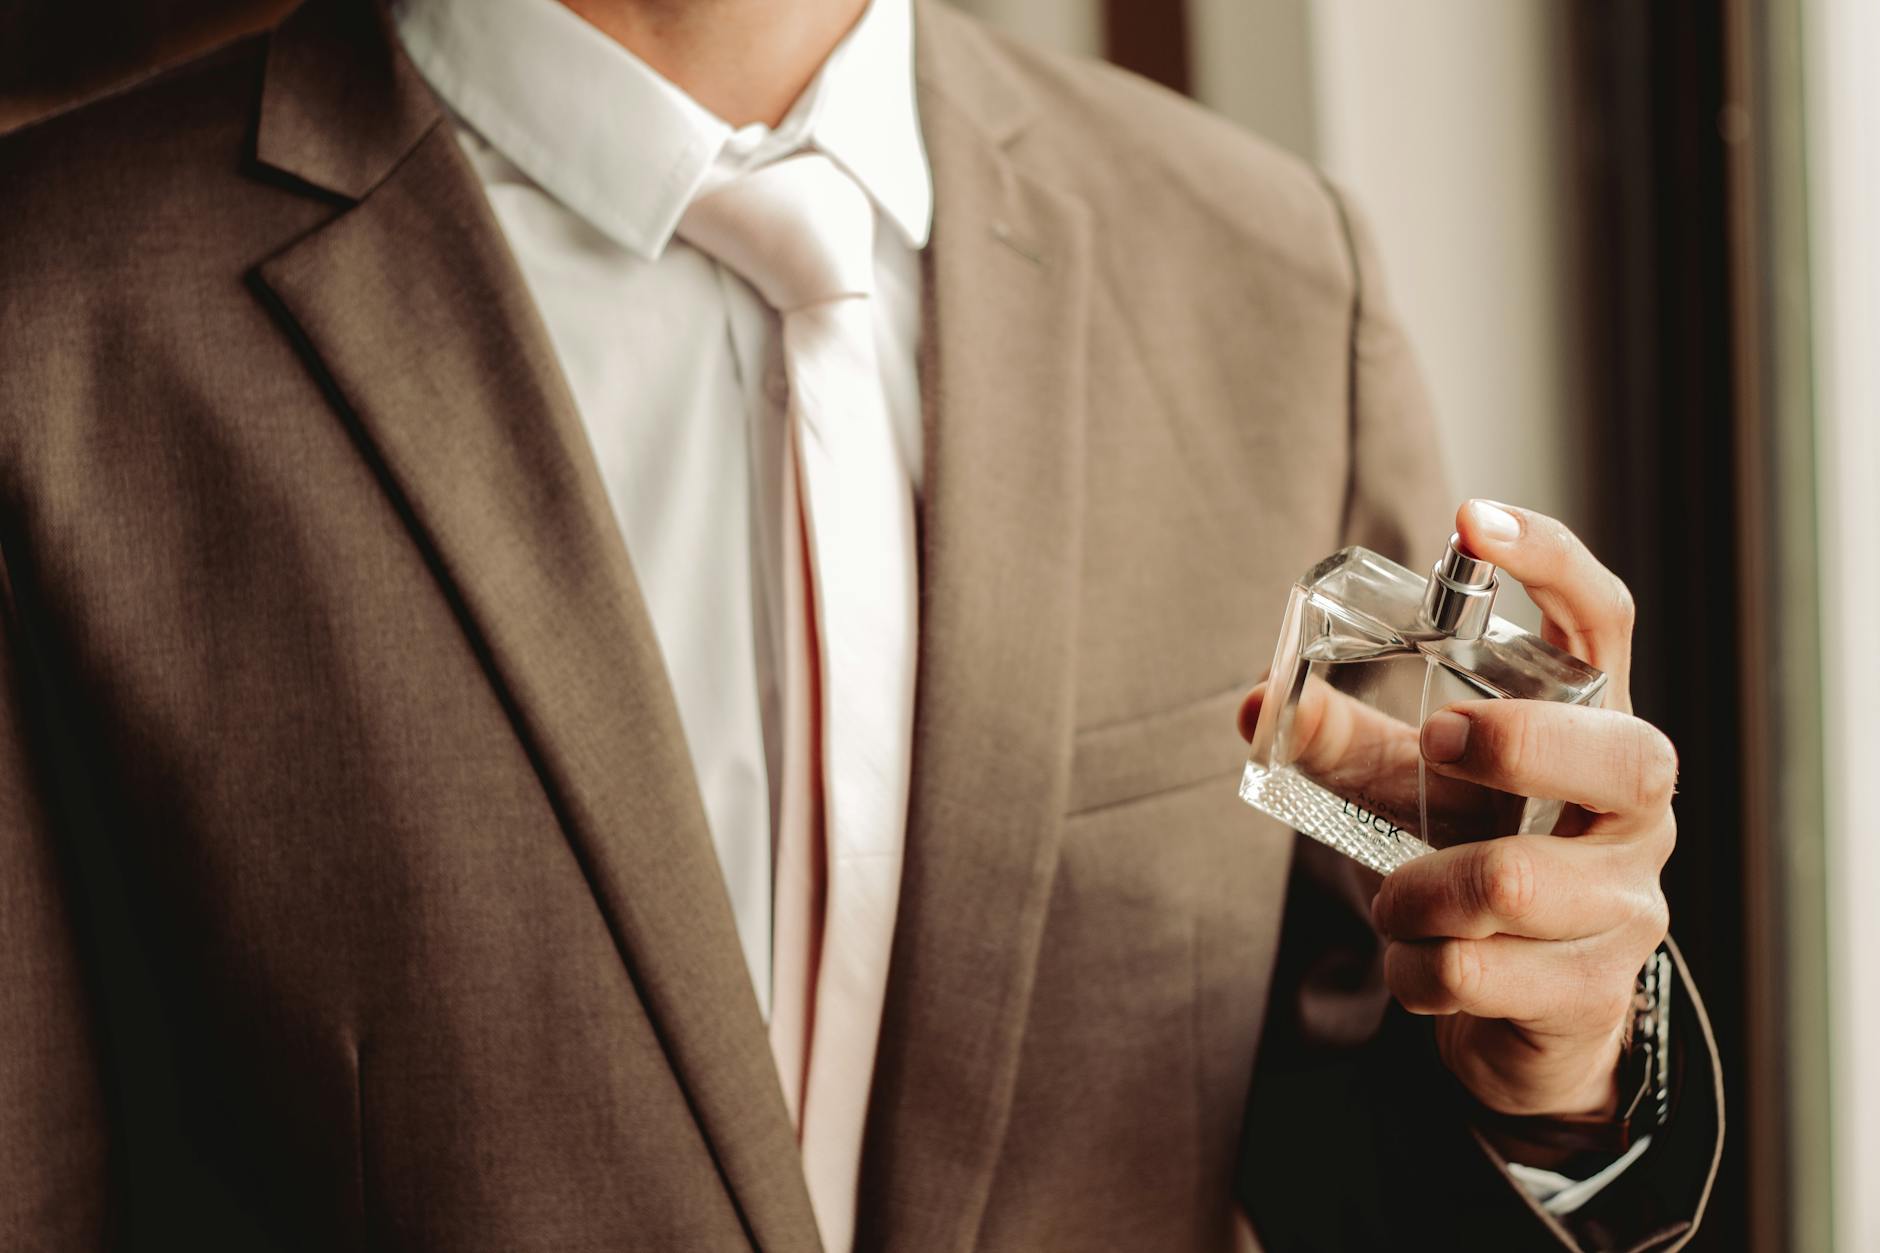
x=354 y=887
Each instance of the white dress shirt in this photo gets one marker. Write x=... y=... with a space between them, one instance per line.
x=589 y=158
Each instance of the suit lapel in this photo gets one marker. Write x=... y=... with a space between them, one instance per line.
x=1001 y=551
x=410 y=310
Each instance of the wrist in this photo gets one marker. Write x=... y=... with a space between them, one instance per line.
x=1638 y=1092
x=1597 y=1095
x=1511 y=1074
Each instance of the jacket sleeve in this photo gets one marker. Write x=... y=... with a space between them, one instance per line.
x=1356 y=1136
x=52 y=1116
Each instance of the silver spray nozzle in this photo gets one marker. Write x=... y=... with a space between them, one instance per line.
x=1461 y=593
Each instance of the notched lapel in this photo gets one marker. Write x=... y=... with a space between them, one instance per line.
x=1003 y=377
x=412 y=313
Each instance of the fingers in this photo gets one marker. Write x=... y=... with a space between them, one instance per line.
x=1333 y=733
x=1561 y=989
x=1588 y=609
x=1362 y=754
x=1250 y=704
x=1533 y=886
x=1599 y=759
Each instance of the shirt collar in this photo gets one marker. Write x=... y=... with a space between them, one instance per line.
x=626 y=149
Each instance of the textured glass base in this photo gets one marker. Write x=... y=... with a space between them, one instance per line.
x=1305 y=806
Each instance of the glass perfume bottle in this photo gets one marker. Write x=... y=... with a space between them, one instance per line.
x=1367 y=651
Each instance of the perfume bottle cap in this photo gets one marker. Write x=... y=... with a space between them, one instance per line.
x=1461 y=593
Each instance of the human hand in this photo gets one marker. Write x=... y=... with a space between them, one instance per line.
x=1527 y=947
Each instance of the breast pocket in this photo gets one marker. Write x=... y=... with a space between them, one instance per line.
x=1183 y=746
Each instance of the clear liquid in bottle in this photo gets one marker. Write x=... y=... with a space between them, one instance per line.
x=1367 y=651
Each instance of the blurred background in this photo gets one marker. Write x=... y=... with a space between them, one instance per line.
x=1638 y=247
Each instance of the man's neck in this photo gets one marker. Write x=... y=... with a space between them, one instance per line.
x=745 y=60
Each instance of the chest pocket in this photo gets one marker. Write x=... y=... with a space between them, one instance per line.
x=1174 y=748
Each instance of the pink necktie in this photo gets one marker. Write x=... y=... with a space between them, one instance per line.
x=802 y=233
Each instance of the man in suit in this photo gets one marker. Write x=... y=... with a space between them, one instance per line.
x=622 y=625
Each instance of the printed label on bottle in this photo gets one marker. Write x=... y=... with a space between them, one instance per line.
x=1370 y=818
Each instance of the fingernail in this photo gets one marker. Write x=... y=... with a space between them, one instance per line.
x=1493 y=521
x=1445 y=736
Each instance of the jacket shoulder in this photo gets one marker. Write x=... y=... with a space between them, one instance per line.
x=148 y=164
x=132 y=224
x=147 y=119
x=1155 y=165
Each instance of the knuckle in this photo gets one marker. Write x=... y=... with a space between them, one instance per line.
x=1459 y=971
x=1658 y=769
x=1602 y=992
x=1385 y=907
x=1664 y=841
x=1504 y=879
x=1654 y=914
x=1406 y=970
x=1647 y=766
x=1624 y=608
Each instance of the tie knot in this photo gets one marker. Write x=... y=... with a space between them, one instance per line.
x=800 y=231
